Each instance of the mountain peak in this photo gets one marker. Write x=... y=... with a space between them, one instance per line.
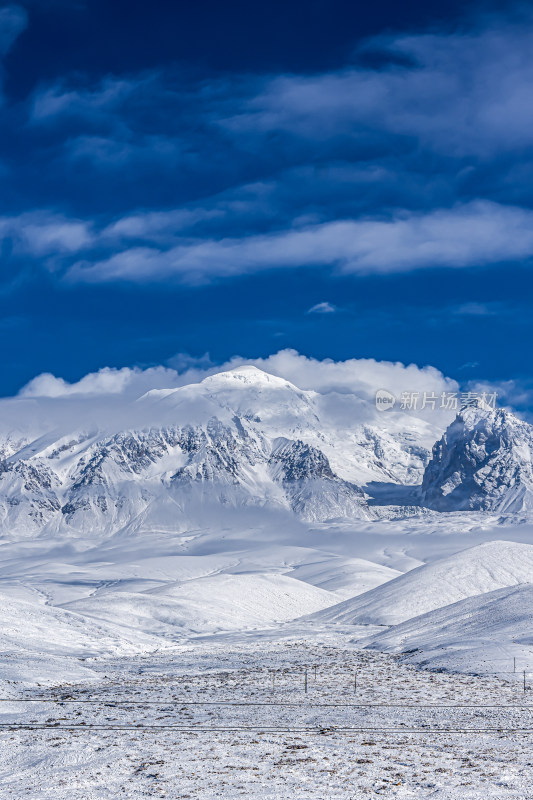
x=484 y=461
x=477 y=404
x=247 y=375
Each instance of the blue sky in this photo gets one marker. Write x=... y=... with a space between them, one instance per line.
x=238 y=178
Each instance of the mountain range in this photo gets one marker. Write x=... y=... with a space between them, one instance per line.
x=247 y=439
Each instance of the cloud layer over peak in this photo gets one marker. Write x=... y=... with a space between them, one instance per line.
x=347 y=387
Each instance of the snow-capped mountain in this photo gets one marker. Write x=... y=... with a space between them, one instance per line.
x=482 y=462
x=237 y=439
x=247 y=439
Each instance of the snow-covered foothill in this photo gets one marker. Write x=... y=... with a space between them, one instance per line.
x=208 y=605
x=488 y=633
x=474 y=571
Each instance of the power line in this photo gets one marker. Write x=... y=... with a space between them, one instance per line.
x=231 y=703
x=12 y=727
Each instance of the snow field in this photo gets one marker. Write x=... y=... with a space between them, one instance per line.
x=252 y=761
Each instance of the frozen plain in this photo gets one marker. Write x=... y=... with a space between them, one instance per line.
x=219 y=728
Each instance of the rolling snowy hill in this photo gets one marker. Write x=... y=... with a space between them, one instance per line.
x=41 y=644
x=208 y=605
x=347 y=577
x=471 y=572
x=485 y=633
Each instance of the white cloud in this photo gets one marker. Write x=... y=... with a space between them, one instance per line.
x=474 y=234
x=360 y=376
x=322 y=308
x=156 y=226
x=59 y=100
x=106 y=400
x=345 y=392
x=42 y=233
x=347 y=388
x=459 y=93
x=470 y=235
x=463 y=93
x=512 y=394
x=107 y=381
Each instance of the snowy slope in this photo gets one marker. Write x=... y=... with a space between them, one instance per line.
x=483 y=634
x=483 y=461
x=43 y=644
x=208 y=605
x=480 y=569
x=347 y=577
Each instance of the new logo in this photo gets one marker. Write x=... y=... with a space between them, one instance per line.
x=385 y=400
